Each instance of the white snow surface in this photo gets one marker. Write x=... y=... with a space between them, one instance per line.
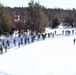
x=55 y=56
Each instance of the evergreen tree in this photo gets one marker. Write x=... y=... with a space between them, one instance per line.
x=36 y=20
x=55 y=22
x=5 y=20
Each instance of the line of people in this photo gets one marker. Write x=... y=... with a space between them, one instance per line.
x=27 y=40
x=6 y=44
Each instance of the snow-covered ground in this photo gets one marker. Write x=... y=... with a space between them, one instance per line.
x=55 y=56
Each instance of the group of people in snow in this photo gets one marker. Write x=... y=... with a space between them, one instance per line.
x=6 y=44
x=27 y=40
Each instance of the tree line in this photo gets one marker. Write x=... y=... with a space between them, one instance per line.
x=34 y=17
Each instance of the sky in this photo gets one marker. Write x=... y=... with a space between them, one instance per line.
x=65 y=4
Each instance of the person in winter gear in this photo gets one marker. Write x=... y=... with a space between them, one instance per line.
x=74 y=41
x=1 y=49
x=14 y=41
x=19 y=43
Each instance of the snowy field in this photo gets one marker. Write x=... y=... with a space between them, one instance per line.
x=52 y=56
x=55 y=56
